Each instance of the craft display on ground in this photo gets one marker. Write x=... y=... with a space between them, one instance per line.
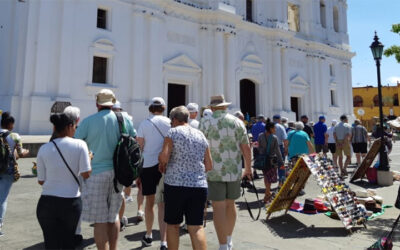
x=294 y=183
x=336 y=191
x=360 y=172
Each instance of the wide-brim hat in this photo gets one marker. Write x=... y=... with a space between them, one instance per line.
x=218 y=101
x=395 y=123
x=105 y=97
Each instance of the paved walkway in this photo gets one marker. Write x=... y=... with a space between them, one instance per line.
x=291 y=231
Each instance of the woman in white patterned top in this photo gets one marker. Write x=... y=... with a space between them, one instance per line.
x=185 y=159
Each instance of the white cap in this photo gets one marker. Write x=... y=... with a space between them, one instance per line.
x=117 y=105
x=193 y=107
x=157 y=101
x=334 y=122
x=207 y=113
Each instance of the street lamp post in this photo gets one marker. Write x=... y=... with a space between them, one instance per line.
x=377 y=51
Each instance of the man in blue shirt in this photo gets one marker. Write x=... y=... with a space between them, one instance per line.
x=258 y=128
x=101 y=203
x=320 y=136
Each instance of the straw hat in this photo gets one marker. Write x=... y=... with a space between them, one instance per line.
x=218 y=101
x=105 y=97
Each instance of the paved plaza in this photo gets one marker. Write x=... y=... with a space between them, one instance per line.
x=291 y=231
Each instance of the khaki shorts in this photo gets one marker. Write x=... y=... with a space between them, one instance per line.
x=342 y=146
x=160 y=191
x=219 y=191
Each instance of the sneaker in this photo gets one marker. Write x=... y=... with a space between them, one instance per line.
x=140 y=216
x=163 y=248
x=147 y=241
x=128 y=199
x=123 y=223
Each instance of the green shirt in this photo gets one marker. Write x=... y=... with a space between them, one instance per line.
x=225 y=133
x=101 y=133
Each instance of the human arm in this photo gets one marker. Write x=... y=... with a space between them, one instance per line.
x=277 y=152
x=85 y=168
x=163 y=157
x=208 y=160
x=140 y=140
x=246 y=152
x=41 y=168
x=310 y=147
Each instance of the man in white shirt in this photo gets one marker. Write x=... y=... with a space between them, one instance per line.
x=193 y=110
x=331 y=142
x=150 y=136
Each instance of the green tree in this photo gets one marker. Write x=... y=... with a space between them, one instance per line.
x=394 y=49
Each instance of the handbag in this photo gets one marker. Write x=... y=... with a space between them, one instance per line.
x=16 y=172
x=66 y=164
x=264 y=161
x=385 y=243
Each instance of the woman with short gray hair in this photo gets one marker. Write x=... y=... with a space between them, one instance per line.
x=185 y=159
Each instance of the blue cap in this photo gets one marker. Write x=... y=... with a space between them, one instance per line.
x=276 y=117
x=322 y=117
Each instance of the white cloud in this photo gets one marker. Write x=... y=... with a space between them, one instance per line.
x=393 y=79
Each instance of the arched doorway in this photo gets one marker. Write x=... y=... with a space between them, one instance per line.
x=248 y=97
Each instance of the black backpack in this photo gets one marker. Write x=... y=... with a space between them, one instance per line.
x=5 y=158
x=128 y=159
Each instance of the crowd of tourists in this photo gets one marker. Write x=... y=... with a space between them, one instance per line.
x=187 y=163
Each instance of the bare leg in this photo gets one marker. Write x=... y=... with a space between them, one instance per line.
x=335 y=160
x=267 y=194
x=127 y=191
x=363 y=156
x=220 y=219
x=341 y=162
x=122 y=209
x=149 y=213
x=230 y=216
x=140 y=198
x=358 y=157
x=161 y=222
x=173 y=236
x=113 y=231
x=197 y=237
x=347 y=162
x=101 y=235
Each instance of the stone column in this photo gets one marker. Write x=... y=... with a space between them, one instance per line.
x=218 y=61
x=277 y=78
x=230 y=86
x=138 y=83
x=285 y=81
x=155 y=58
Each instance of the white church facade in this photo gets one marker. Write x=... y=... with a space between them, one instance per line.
x=288 y=57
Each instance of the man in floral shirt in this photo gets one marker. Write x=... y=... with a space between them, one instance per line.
x=228 y=141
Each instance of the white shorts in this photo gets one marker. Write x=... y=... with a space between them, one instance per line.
x=100 y=202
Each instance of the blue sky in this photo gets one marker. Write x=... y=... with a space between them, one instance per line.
x=364 y=17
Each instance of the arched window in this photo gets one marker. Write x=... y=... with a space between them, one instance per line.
x=336 y=19
x=358 y=101
x=376 y=101
x=322 y=13
x=249 y=10
x=395 y=100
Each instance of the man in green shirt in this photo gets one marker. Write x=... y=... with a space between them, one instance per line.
x=228 y=141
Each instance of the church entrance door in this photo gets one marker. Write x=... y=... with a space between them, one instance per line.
x=176 y=95
x=294 y=105
x=248 y=97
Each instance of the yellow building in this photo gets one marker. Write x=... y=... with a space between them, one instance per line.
x=366 y=103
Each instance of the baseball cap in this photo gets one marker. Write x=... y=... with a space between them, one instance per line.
x=105 y=97
x=276 y=116
x=260 y=116
x=321 y=117
x=157 y=101
x=193 y=107
x=334 y=122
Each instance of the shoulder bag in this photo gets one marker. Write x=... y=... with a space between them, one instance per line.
x=159 y=131
x=263 y=160
x=66 y=164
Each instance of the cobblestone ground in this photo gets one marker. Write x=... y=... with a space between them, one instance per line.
x=291 y=231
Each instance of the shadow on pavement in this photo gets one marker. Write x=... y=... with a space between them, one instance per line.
x=85 y=243
x=288 y=227
x=28 y=176
x=365 y=184
x=380 y=228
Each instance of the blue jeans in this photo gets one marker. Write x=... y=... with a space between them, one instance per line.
x=6 y=180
